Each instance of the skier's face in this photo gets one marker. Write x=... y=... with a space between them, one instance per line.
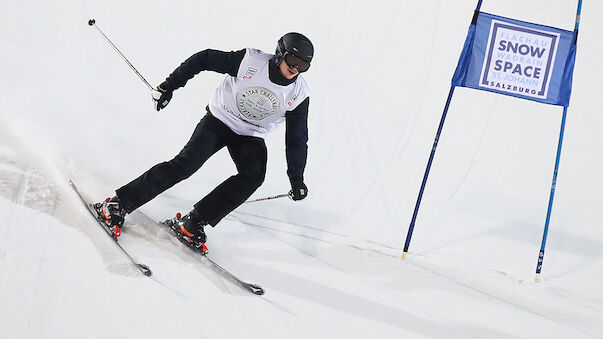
x=288 y=72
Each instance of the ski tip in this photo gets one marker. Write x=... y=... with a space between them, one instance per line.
x=145 y=269
x=256 y=289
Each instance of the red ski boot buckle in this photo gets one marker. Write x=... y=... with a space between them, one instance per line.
x=116 y=231
x=204 y=249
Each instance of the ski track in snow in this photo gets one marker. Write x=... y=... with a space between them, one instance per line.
x=459 y=282
x=32 y=189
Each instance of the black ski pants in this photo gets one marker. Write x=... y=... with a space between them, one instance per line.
x=248 y=153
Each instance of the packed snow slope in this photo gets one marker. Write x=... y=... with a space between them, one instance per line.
x=70 y=108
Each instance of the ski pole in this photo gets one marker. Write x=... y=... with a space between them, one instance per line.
x=268 y=198
x=92 y=22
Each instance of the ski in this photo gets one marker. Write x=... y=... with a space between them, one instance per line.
x=144 y=269
x=202 y=252
x=253 y=288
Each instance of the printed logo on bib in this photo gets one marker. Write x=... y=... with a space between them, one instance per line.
x=290 y=103
x=250 y=73
x=257 y=103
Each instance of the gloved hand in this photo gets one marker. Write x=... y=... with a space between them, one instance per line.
x=299 y=190
x=162 y=95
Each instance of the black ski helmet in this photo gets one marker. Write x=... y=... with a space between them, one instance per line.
x=295 y=44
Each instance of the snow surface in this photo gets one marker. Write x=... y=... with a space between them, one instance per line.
x=70 y=108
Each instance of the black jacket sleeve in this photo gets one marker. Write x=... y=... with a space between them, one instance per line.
x=207 y=60
x=296 y=141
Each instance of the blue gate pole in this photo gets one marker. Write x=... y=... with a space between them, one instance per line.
x=554 y=184
x=433 y=149
x=551 y=197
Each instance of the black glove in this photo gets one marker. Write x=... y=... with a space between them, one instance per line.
x=162 y=95
x=299 y=190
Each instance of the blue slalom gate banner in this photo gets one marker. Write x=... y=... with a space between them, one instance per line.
x=518 y=58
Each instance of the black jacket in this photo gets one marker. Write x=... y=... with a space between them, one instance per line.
x=296 y=134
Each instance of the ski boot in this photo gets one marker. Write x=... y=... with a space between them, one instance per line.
x=191 y=229
x=112 y=213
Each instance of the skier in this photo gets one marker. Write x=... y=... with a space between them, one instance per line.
x=259 y=92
